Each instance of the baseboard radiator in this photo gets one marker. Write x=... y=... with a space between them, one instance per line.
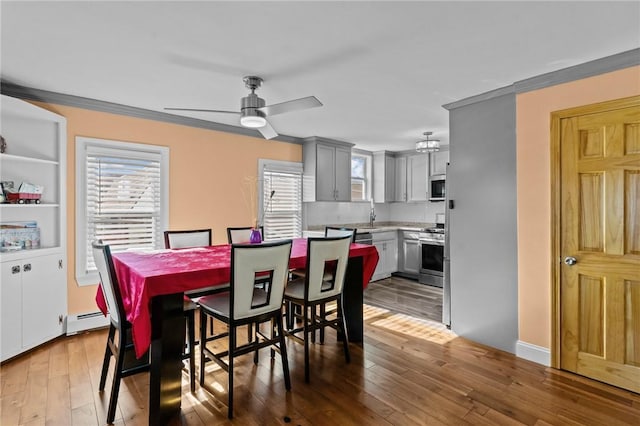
x=83 y=322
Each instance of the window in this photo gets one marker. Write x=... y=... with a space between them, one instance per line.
x=283 y=213
x=360 y=190
x=122 y=199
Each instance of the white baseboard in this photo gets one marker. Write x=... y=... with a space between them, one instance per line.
x=83 y=322
x=533 y=353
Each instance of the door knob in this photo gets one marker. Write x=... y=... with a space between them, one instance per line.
x=570 y=260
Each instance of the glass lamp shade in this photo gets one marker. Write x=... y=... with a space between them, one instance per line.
x=252 y=121
x=428 y=146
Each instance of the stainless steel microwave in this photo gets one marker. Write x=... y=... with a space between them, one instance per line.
x=437 y=187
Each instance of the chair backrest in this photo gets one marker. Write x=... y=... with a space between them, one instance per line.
x=242 y=234
x=108 y=281
x=323 y=253
x=334 y=231
x=187 y=238
x=248 y=261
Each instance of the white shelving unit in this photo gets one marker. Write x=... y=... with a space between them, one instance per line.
x=33 y=291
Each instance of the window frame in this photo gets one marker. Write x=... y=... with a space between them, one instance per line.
x=125 y=149
x=282 y=166
x=367 y=180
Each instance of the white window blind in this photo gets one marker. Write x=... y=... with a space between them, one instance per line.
x=123 y=199
x=283 y=215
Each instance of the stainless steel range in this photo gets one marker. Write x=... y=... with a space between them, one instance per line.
x=432 y=256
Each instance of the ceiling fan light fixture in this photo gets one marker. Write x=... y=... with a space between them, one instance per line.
x=428 y=145
x=252 y=121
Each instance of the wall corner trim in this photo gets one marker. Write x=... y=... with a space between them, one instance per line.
x=599 y=66
x=480 y=98
x=533 y=353
x=39 y=95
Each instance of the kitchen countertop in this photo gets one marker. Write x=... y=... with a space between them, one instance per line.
x=379 y=227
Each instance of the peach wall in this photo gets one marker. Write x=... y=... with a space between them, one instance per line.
x=533 y=123
x=207 y=169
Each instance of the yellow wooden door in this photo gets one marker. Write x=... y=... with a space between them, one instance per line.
x=600 y=244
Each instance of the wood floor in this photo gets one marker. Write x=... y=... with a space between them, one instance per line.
x=406 y=296
x=408 y=372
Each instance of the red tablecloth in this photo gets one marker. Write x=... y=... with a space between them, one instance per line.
x=143 y=275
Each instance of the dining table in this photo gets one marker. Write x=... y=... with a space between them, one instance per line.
x=153 y=284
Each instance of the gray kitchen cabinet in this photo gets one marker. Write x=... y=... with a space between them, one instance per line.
x=387 y=245
x=409 y=254
x=438 y=162
x=401 y=179
x=384 y=171
x=411 y=177
x=327 y=170
x=417 y=177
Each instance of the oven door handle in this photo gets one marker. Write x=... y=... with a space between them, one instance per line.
x=432 y=242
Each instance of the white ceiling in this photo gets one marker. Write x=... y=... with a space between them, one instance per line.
x=383 y=70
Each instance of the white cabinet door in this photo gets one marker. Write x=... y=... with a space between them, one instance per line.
x=379 y=273
x=33 y=302
x=391 y=257
x=342 y=172
x=43 y=299
x=401 y=179
x=411 y=256
x=384 y=177
x=438 y=162
x=10 y=309
x=325 y=173
x=417 y=177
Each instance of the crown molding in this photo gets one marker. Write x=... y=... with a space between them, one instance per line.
x=39 y=95
x=604 y=65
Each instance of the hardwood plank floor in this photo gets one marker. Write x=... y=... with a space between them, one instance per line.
x=407 y=297
x=409 y=371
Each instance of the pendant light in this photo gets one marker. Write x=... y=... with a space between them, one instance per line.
x=428 y=145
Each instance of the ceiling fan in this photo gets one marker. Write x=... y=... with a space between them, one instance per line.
x=253 y=111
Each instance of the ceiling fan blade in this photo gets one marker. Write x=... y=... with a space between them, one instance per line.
x=288 y=106
x=267 y=131
x=202 y=110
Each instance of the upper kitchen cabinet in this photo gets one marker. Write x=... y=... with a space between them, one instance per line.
x=384 y=177
x=411 y=178
x=438 y=162
x=401 y=179
x=417 y=177
x=327 y=169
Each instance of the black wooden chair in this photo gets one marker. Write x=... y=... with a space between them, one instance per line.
x=123 y=345
x=242 y=234
x=339 y=231
x=314 y=290
x=246 y=304
x=186 y=239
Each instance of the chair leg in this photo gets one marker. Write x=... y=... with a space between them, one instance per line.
x=313 y=321
x=255 y=338
x=191 y=335
x=203 y=343
x=283 y=352
x=323 y=314
x=232 y=348
x=107 y=357
x=343 y=324
x=117 y=377
x=306 y=342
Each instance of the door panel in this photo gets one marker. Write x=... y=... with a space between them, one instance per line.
x=600 y=228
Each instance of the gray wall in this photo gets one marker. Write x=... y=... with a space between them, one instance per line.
x=482 y=183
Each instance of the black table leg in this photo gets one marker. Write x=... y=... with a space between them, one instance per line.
x=167 y=342
x=352 y=299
